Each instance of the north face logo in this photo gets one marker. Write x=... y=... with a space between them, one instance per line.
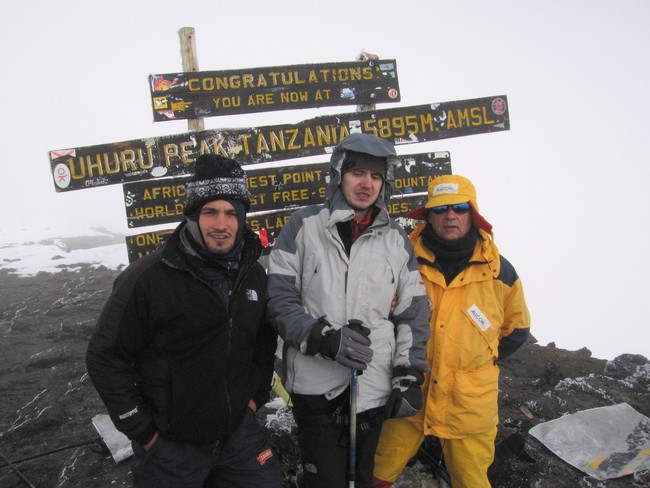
x=264 y=456
x=251 y=295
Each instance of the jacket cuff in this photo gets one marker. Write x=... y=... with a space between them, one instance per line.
x=261 y=397
x=400 y=371
x=316 y=336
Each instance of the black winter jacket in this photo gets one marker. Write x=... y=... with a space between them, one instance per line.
x=167 y=356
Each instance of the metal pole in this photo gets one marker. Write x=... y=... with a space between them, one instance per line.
x=352 y=462
x=52 y=451
x=15 y=470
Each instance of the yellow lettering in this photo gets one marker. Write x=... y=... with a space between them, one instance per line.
x=187 y=151
x=170 y=151
x=258 y=199
x=319 y=94
x=235 y=81
x=148 y=239
x=73 y=169
x=291 y=195
x=213 y=146
x=274 y=77
x=113 y=164
x=426 y=122
x=277 y=141
x=227 y=102
x=325 y=73
x=396 y=208
x=261 y=99
x=244 y=140
x=412 y=181
x=269 y=223
x=193 y=84
x=486 y=119
x=262 y=145
x=463 y=117
x=300 y=177
x=451 y=121
x=96 y=165
x=309 y=138
x=221 y=83
x=323 y=135
x=294 y=97
x=247 y=81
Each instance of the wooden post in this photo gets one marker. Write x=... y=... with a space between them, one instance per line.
x=366 y=56
x=190 y=63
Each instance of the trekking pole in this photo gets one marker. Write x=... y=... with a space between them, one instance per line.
x=354 y=392
x=15 y=470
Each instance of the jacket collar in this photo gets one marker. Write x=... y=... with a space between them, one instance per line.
x=340 y=211
x=173 y=254
x=485 y=252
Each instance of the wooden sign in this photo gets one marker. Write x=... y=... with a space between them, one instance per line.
x=268 y=225
x=209 y=93
x=160 y=201
x=143 y=159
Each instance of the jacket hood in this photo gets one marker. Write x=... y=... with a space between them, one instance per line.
x=368 y=144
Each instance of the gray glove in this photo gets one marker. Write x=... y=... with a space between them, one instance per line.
x=405 y=399
x=348 y=345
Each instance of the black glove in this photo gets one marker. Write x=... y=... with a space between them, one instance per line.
x=406 y=398
x=348 y=345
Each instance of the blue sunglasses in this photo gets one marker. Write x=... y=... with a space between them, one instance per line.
x=459 y=208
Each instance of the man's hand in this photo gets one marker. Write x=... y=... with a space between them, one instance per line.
x=405 y=399
x=349 y=345
x=393 y=305
x=149 y=444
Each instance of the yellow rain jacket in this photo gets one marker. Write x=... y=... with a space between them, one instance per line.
x=481 y=313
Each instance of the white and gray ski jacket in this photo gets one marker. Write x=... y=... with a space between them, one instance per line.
x=311 y=276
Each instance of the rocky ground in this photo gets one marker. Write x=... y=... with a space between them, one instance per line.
x=48 y=401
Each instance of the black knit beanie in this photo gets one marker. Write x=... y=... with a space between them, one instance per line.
x=215 y=177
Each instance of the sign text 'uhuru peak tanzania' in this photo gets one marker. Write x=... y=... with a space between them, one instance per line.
x=143 y=159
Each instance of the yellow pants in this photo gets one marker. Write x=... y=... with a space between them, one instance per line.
x=467 y=459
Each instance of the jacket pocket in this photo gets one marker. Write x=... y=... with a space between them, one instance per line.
x=475 y=397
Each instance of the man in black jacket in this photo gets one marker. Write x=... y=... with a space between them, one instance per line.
x=182 y=355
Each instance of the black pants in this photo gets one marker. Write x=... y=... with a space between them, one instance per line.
x=244 y=460
x=324 y=441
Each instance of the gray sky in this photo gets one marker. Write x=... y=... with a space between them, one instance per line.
x=564 y=188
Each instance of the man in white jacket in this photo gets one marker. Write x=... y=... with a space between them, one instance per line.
x=333 y=272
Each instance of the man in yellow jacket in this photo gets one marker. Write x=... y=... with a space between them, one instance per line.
x=479 y=316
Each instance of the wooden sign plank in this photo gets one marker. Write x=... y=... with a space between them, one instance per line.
x=268 y=225
x=143 y=159
x=160 y=201
x=210 y=93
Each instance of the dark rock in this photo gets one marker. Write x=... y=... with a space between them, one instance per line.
x=584 y=352
x=624 y=366
x=552 y=374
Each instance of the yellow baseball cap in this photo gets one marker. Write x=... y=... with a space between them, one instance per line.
x=450 y=190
